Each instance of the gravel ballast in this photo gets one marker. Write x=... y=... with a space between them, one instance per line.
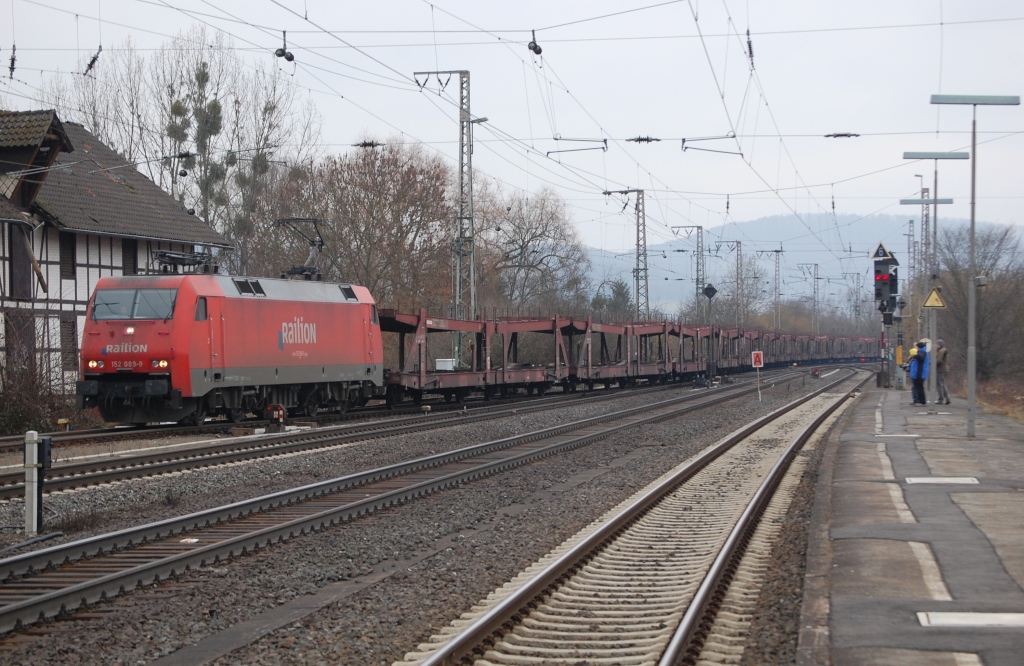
x=389 y=580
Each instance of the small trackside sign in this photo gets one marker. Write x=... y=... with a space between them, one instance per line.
x=757 y=359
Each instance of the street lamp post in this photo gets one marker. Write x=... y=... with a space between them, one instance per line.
x=932 y=262
x=972 y=361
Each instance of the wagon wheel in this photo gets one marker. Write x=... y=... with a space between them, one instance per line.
x=393 y=396
x=236 y=414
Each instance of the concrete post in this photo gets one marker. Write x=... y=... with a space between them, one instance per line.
x=33 y=484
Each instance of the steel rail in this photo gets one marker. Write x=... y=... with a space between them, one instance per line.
x=694 y=626
x=519 y=602
x=76 y=475
x=15 y=443
x=52 y=603
x=57 y=555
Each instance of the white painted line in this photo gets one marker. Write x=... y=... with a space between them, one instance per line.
x=884 y=435
x=952 y=619
x=942 y=479
x=902 y=510
x=887 y=472
x=878 y=417
x=967 y=659
x=930 y=571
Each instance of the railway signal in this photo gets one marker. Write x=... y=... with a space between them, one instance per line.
x=882 y=284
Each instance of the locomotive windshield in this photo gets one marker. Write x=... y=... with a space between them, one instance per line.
x=134 y=304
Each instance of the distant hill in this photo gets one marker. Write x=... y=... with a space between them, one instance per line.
x=840 y=244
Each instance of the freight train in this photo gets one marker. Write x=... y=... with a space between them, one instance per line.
x=181 y=347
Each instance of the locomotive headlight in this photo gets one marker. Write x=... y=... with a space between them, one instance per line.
x=159 y=364
x=130 y=330
x=93 y=364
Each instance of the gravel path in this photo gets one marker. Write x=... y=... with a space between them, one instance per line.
x=384 y=583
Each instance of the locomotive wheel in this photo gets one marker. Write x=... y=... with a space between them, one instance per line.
x=312 y=404
x=197 y=417
x=236 y=414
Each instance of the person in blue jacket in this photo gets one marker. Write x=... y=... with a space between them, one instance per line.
x=919 y=372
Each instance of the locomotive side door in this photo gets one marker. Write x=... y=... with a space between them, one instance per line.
x=216 y=322
x=200 y=345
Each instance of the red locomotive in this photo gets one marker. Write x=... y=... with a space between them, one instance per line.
x=180 y=346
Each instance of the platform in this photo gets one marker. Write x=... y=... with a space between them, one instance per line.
x=916 y=551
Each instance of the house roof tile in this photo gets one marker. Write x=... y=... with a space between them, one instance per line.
x=29 y=128
x=96 y=191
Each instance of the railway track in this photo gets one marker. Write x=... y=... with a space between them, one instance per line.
x=644 y=584
x=238 y=449
x=63 y=578
x=16 y=443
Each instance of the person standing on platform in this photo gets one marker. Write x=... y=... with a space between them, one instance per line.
x=941 y=372
x=911 y=357
x=919 y=373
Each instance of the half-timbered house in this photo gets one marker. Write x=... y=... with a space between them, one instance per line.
x=73 y=210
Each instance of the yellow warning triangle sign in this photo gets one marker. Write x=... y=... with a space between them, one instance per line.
x=934 y=300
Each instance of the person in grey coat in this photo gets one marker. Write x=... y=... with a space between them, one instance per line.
x=941 y=372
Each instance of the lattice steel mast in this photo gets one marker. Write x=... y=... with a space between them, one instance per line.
x=640 y=287
x=464 y=244
x=699 y=299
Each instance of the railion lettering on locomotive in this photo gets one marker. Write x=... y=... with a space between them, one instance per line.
x=297 y=331
x=125 y=348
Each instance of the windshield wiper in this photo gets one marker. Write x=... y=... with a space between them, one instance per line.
x=109 y=304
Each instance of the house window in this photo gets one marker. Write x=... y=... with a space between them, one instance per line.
x=69 y=341
x=130 y=256
x=68 y=241
x=21 y=263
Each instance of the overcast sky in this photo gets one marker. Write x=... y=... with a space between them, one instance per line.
x=619 y=70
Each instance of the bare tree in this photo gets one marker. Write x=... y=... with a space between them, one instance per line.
x=534 y=253
x=201 y=123
x=1000 y=315
x=613 y=301
x=386 y=220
